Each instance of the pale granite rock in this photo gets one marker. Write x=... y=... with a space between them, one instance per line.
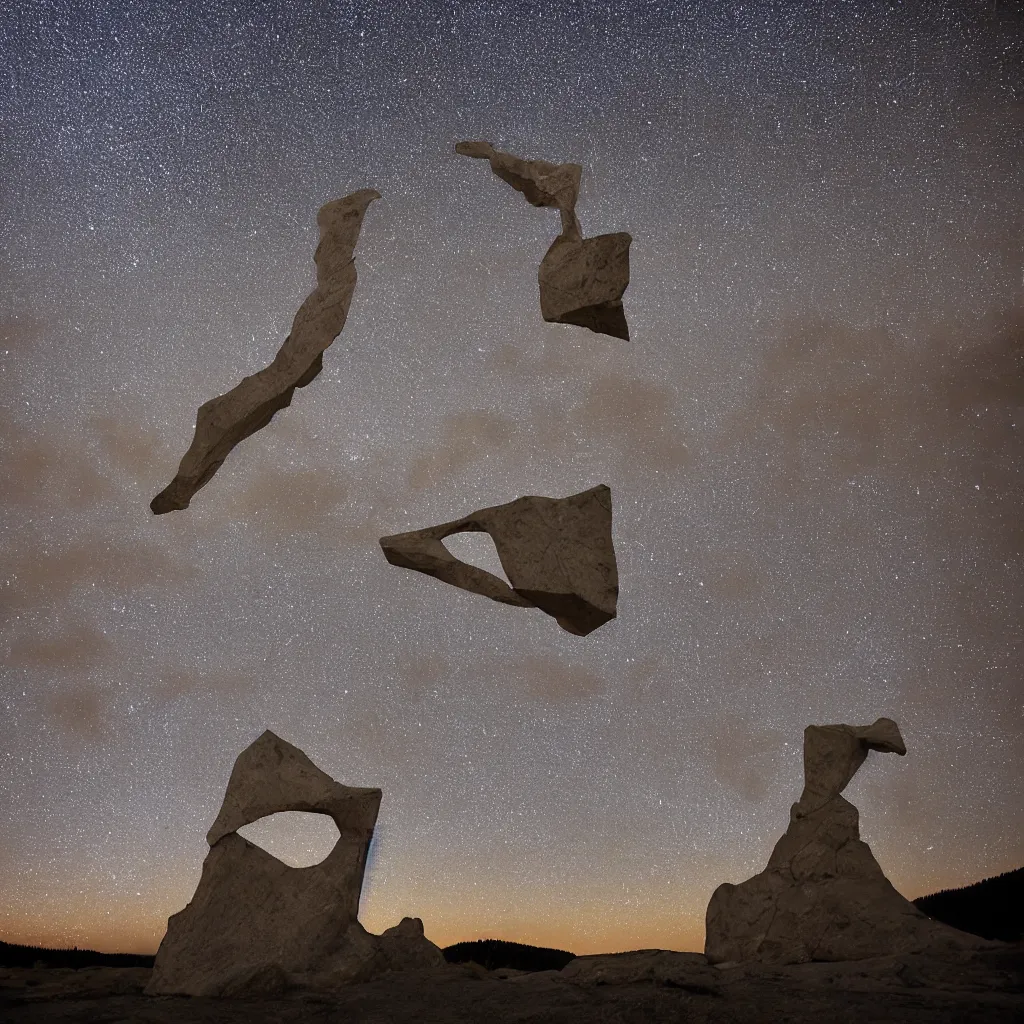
x=556 y=552
x=823 y=895
x=256 y=926
x=228 y=419
x=582 y=280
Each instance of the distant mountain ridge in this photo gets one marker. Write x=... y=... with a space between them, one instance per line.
x=992 y=908
x=496 y=953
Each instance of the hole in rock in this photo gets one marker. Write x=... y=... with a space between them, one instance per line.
x=476 y=549
x=299 y=839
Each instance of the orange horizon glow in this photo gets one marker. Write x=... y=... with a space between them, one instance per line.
x=89 y=928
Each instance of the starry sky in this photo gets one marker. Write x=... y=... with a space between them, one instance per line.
x=813 y=442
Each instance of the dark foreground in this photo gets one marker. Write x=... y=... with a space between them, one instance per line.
x=650 y=986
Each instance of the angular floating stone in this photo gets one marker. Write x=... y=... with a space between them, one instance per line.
x=556 y=552
x=228 y=419
x=823 y=895
x=582 y=280
x=256 y=926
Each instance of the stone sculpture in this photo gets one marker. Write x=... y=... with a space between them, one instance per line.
x=582 y=280
x=255 y=925
x=823 y=895
x=556 y=552
x=228 y=419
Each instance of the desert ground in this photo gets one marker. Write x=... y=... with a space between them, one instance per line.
x=979 y=987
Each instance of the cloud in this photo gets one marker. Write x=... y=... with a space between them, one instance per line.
x=78 y=711
x=466 y=437
x=634 y=417
x=19 y=334
x=832 y=399
x=39 y=467
x=78 y=650
x=177 y=682
x=41 y=576
x=419 y=672
x=746 y=758
x=131 y=447
x=291 y=501
x=550 y=679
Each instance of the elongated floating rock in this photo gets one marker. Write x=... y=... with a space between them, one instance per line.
x=228 y=419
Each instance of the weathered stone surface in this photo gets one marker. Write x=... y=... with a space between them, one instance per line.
x=581 y=280
x=543 y=183
x=256 y=926
x=556 y=552
x=228 y=419
x=823 y=895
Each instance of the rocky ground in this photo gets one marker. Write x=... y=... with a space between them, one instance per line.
x=985 y=986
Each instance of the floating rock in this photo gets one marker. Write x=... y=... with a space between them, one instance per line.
x=543 y=183
x=582 y=280
x=556 y=552
x=256 y=926
x=823 y=895
x=228 y=419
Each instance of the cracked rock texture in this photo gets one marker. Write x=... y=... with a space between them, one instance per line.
x=228 y=419
x=582 y=280
x=556 y=552
x=255 y=926
x=823 y=895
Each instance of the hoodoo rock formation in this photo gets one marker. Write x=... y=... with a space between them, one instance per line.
x=228 y=419
x=823 y=895
x=256 y=926
x=582 y=280
x=556 y=552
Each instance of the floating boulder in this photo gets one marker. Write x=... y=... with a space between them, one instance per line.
x=228 y=419
x=556 y=552
x=582 y=280
x=256 y=926
x=823 y=895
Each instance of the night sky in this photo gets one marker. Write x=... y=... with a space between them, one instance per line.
x=813 y=442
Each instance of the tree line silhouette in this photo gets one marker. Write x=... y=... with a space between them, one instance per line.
x=992 y=908
x=495 y=953
x=14 y=955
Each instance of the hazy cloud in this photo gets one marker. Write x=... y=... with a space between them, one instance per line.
x=466 y=437
x=419 y=672
x=49 y=467
x=182 y=681
x=77 y=650
x=129 y=446
x=636 y=418
x=833 y=401
x=80 y=711
x=41 y=576
x=550 y=679
x=746 y=758
x=290 y=501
